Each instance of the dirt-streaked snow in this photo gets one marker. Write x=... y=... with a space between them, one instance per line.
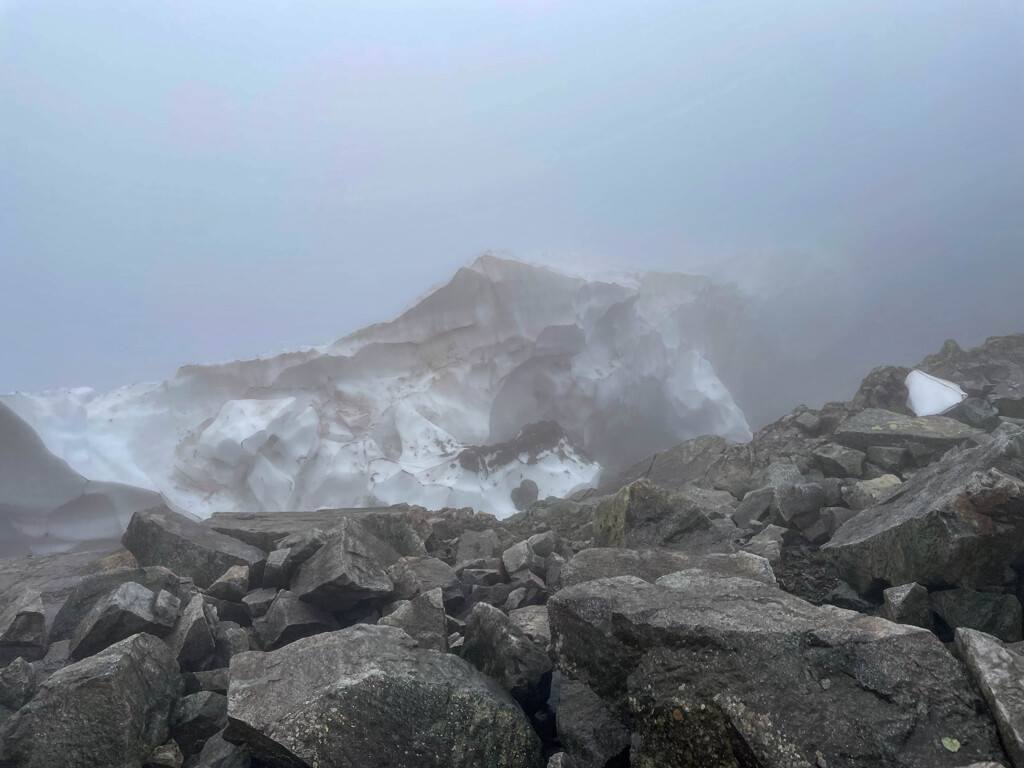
x=383 y=414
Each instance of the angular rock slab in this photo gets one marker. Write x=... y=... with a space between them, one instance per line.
x=367 y=696
x=652 y=564
x=1000 y=675
x=159 y=536
x=643 y=515
x=346 y=570
x=958 y=522
x=725 y=671
x=875 y=426
x=128 y=610
x=108 y=710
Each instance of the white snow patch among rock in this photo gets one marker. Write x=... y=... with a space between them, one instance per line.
x=930 y=395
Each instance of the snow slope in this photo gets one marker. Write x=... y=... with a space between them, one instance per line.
x=385 y=414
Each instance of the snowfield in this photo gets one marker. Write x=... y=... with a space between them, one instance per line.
x=397 y=412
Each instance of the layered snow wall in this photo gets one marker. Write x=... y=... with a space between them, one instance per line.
x=384 y=415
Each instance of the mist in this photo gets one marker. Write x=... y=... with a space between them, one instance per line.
x=195 y=183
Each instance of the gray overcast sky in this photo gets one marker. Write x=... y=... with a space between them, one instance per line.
x=197 y=181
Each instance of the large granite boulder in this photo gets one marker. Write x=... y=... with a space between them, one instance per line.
x=652 y=564
x=643 y=515
x=159 y=536
x=959 y=522
x=715 y=671
x=128 y=610
x=108 y=710
x=673 y=468
x=1000 y=675
x=349 y=568
x=368 y=696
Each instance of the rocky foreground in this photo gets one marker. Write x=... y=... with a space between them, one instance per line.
x=844 y=590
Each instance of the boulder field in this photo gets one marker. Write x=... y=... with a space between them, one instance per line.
x=843 y=591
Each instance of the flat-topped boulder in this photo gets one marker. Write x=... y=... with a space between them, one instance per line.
x=266 y=529
x=159 y=536
x=368 y=696
x=877 y=427
x=715 y=670
x=958 y=522
x=652 y=564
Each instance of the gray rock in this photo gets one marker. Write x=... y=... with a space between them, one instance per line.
x=643 y=515
x=988 y=612
x=521 y=557
x=290 y=619
x=192 y=642
x=591 y=734
x=215 y=680
x=229 y=641
x=128 y=610
x=423 y=619
x=367 y=696
x=502 y=651
x=218 y=753
x=835 y=517
x=681 y=465
x=560 y=760
x=480 y=577
x=874 y=426
x=1000 y=675
x=277 y=573
x=160 y=537
x=108 y=710
x=257 y=602
x=197 y=717
x=870 y=493
x=651 y=564
x=231 y=585
x=94 y=587
x=165 y=756
x=958 y=522
x=839 y=461
x=767 y=544
x=23 y=629
x=478 y=549
x=720 y=671
x=412 y=576
x=978 y=413
x=888 y=458
x=348 y=569
x=533 y=621
x=545 y=544
x=908 y=604
x=18 y=684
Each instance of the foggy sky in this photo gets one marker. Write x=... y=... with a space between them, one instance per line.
x=193 y=182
